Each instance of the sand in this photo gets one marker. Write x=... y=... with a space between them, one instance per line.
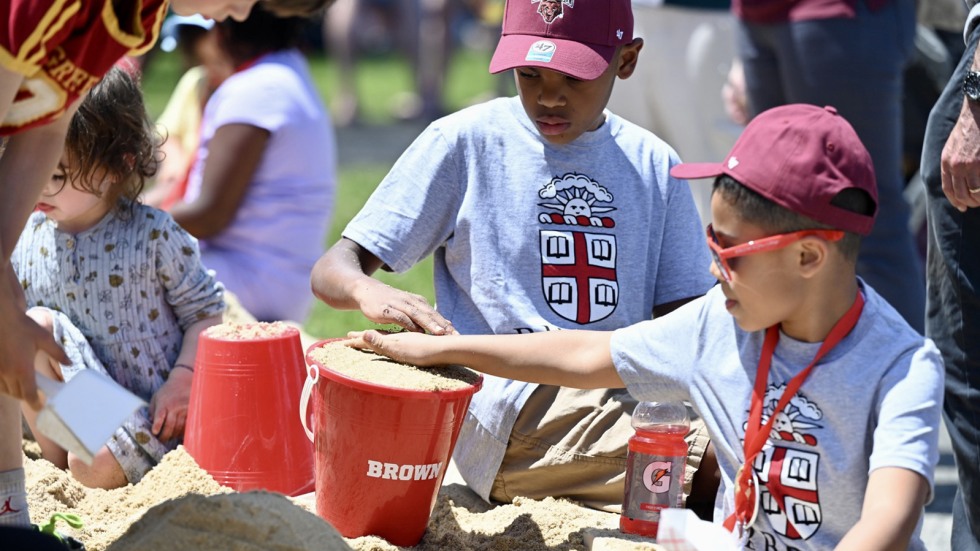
x=248 y=331
x=370 y=367
x=179 y=506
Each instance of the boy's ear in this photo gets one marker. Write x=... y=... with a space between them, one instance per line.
x=813 y=257
x=628 y=56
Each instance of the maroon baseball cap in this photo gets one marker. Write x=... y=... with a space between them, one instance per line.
x=800 y=157
x=575 y=37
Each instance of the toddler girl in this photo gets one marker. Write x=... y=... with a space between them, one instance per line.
x=119 y=284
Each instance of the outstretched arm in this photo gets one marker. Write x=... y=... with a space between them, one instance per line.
x=575 y=359
x=342 y=279
x=893 y=502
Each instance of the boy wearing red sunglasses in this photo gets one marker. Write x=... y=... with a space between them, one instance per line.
x=822 y=401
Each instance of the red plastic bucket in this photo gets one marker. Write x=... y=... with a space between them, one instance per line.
x=241 y=426
x=381 y=452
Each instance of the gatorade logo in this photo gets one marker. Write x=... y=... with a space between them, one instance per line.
x=656 y=477
x=393 y=471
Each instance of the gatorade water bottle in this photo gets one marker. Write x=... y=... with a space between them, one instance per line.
x=655 y=464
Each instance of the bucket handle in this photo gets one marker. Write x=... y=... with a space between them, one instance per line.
x=312 y=376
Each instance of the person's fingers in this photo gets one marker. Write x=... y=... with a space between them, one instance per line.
x=169 y=426
x=949 y=186
x=180 y=425
x=369 y=337
x=49 y=345
x=159 y=417
x=972 y=195
x=26 y=390
x=967 y=192
x=356 y=339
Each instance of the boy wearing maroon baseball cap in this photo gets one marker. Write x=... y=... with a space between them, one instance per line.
x=542 y=212
x=823 y=404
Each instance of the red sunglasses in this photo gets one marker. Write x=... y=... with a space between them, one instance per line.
x=771 y=243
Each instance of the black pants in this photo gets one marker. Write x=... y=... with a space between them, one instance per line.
x=28 y=539
x=953 y=307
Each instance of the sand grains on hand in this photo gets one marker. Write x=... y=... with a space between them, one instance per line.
x=376 y=369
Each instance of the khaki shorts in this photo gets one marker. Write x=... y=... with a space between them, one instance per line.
x=572 y=443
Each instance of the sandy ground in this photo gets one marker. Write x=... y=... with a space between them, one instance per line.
x=180 y=506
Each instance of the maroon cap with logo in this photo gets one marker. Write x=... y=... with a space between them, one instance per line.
x=800 y=157
x=575 y=37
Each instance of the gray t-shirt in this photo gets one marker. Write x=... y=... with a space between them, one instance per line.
x=529 y=236
x=874 y=401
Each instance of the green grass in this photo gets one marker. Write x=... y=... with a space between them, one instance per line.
x=356 y=184
x=380 y=80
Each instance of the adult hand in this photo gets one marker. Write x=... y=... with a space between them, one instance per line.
x=168 y=406
x=384 y=304
x=733 y=94
x=961 y=159
x=410 y=348
x=21 y=340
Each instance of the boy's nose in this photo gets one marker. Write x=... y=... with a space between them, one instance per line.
x=551 y=96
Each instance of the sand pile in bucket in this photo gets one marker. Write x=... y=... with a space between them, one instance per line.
x=247 y=331
x=372 y=368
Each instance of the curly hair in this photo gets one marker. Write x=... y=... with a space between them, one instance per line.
x=111 y=138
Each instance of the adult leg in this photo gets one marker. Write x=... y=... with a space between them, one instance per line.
x=953 y=309
x=675 y=91
x=13 y=494
x=29 y=538
x=432 y=60
x=758 y=48
x=855 y=65
x=338 y=34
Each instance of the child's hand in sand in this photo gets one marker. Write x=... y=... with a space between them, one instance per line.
x=418 y=349
x=384 y=304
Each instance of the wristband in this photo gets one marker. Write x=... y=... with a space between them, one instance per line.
x=185 y=366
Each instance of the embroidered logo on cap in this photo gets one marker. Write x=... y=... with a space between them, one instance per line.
x=542 y=50
x=732 y=163
x=552 y=9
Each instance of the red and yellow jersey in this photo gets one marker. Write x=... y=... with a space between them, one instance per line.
x=64 y=47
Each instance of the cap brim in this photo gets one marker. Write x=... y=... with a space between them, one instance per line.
x=581 y=61
x=696 y=171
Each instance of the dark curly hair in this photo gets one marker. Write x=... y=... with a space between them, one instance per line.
x=263 y=32
x=112 y=132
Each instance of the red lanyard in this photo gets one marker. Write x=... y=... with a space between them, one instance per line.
x=756 y=434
